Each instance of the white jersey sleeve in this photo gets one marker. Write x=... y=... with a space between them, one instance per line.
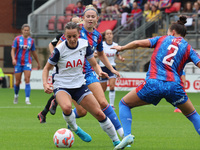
x=110 y=53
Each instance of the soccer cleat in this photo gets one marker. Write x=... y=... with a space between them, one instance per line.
x=83 y=135
x=53 y=107
x=15 y=100
x=41 y=118
x=28 y=102
x=125 y=142
x=115 y=143
x=178 y=110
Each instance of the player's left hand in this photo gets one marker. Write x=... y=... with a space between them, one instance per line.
x=103 y=75
x=38 y=67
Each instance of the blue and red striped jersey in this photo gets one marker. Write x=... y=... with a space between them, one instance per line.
x=23 y=46
x=169 y=58
x=96 y=42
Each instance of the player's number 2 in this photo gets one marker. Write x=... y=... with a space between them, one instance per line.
x=169 y=58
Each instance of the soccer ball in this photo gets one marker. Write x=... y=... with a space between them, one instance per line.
x=63 y=138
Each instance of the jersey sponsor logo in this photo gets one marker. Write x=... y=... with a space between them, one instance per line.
x=24 y=47
x=74 y=63
x=110 y=54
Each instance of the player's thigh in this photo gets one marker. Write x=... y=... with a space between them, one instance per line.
x=112 y=83
x=104 y=85
x=187 y=107
x=27 y=75
x=64 y=100
x=80 y=110
x=98 y=94
x=132 y=99
x=92 y=106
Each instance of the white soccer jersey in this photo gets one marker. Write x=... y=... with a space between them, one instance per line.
x=69 y=64
x=110 y=53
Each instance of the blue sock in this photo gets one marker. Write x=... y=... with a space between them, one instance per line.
x=75 y=112
x=27 y=90
x=125 y=117
x=16 y=89
x=194 y=117
x=110 y=113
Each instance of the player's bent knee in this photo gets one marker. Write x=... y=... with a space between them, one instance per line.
x=103 y=104
x=66 y=109
x=99 y=115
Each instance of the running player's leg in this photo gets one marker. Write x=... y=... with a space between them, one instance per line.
x=64 y=100
x=92 y=106
x=104 y=85
x=189 y=111
x=112 y=91
x=107 y=109
x=79 y=111
x=42 y=115
x=18 y=76
x=127 y=102
x=27 y=75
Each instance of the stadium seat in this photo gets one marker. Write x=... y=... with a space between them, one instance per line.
x=61 y=19
x=52 y=19
x=70 y=7
x=174 y=8
x=51 y=26
x=104 y=25
x=59 y=26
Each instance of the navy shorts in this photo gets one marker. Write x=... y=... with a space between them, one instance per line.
x=91 y=77
x=77 y=94
x=20 y=68
x=153 y=90
x=110 y=74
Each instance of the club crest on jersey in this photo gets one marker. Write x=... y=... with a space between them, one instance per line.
x=74 y=63
x=80 y=52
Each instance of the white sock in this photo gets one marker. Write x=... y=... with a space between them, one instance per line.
x=108 y=127
x=112 y=97
x=121 y=132
x=16 y=95
x=27 y=99
x=71 y=120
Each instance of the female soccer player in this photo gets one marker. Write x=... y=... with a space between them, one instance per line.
x=110 y=53
x=171 y=53
x=69 y=82
x=88 y=32
x=22 y=47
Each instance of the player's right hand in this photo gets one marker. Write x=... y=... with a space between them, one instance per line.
x=48 y=88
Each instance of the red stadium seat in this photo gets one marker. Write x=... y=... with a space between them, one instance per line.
x=61 y=19
x=70 y=7
x=51 y=26
x=176 y=7
x=52 y=19
x=59 y=26
x=104 y=25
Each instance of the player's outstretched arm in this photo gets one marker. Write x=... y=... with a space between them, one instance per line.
x=48 y=88
x=133 y=45
x=97 y=68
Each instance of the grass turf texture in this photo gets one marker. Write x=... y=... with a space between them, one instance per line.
x=155 y=128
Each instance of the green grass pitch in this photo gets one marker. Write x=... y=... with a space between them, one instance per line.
x=155 y=128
